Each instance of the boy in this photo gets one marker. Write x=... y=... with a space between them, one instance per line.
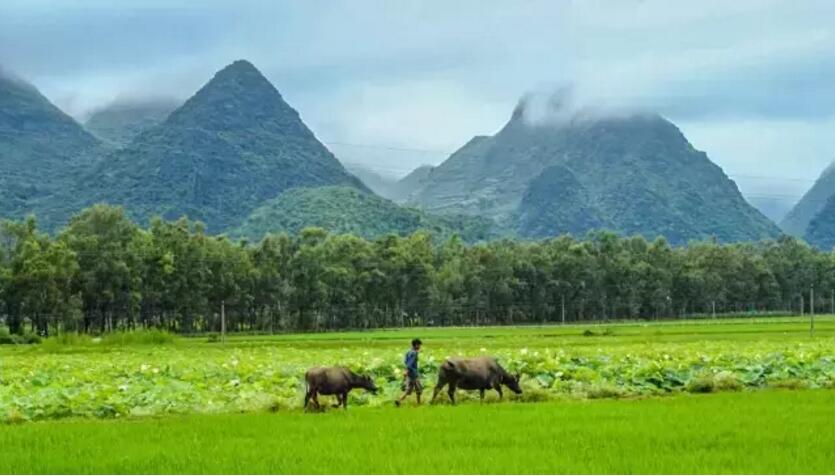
x=412 y=382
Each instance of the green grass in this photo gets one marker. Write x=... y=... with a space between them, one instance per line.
x=760 y=432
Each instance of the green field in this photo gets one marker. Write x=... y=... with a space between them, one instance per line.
x=762 y=432
x=598 y=398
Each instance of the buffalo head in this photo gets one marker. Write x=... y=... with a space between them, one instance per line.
x=367 y=383
x=512 y=382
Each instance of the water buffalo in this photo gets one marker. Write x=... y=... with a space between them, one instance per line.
x=334 y=381
x=481 y=373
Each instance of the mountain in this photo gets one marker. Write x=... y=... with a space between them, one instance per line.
x=635 y=174
x=774 y=208
x=381 y=185
x=343 y=209
x=797 y=221
x=556 y=203
x=121 y=122
x=230 y=147
x=411 y=184
x=42 y=150
x=821 y=229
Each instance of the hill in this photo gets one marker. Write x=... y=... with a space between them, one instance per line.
x=230 y=147
x=349 y=210
x=383 y=186
x=556 y=203
x=411 y=184
x=636 y=174
x=120 y=123
x=821 y=229
x=42 y=150
x=799 y=218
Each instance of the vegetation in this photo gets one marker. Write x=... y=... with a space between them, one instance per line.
x=797 y=222
x=41 y=150
x=230 y=147
x=384 y=186
x=150 y=373
x=121 y=122
x=105 y=273
x=634 y=174
x=348 y=210
x=821 y=230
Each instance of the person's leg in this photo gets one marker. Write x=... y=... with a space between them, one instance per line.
x=409 y=388
x=418 y=390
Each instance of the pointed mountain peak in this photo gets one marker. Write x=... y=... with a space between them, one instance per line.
x=240 y=71
x=238 y=97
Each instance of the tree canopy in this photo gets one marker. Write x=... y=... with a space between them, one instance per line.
x=103 y=272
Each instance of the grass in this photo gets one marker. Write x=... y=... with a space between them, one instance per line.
x=761 y=432
x=590 y=334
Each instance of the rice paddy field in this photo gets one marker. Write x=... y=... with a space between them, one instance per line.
x=726 y=396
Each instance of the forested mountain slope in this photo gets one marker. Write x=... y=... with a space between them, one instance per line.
x=799 y=218
x=348 y=210
x=230 y=147
x=120 y=123
x=637 y=172
x=41 y=150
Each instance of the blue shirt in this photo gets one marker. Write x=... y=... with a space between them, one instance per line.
x=411 y=362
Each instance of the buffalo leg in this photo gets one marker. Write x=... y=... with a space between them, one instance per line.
x=451 y=393
x=315 y=398
x=498 y=388
x=438 y=387
x=338 y=400
x=306 y=398
x=481 y=394
x=345 y=400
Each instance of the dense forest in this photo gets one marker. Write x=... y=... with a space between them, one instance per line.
x=103 y=272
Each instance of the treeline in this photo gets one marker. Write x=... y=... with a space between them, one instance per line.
x=103 y=273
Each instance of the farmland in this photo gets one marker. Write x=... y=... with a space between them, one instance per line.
x=86 y=378
x=773 y=383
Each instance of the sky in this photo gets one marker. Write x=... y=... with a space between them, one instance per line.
x=395 y=83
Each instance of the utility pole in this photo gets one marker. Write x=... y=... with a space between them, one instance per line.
x=812 y=310
x=563 y=309
x=223 y=321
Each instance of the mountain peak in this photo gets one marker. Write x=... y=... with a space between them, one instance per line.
x=240 y=69
x=239 y=97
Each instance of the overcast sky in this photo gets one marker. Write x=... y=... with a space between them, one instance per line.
x=752 y=83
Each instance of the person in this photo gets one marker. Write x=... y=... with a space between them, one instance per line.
x=412 y=374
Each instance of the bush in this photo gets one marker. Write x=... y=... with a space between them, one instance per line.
x=16 y=339
x=701 y=384
x=605 y=390
x=726 y=380
x=213 y=337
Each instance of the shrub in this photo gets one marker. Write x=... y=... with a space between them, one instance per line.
x=701 y=384
x=16 y=339
x=726 y=380
x=213 y=337
x=605 y=390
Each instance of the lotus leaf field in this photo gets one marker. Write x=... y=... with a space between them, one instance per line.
x=264 y=373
